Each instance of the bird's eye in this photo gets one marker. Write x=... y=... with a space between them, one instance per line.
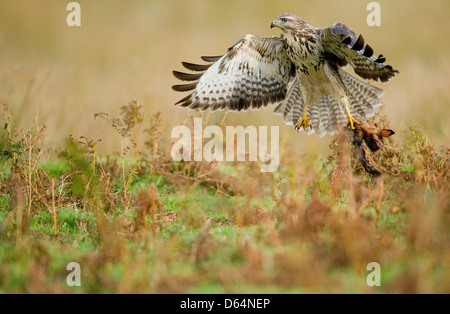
x=283 y=20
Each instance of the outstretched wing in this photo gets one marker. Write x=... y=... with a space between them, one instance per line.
x=341 y=43
x=253 y=73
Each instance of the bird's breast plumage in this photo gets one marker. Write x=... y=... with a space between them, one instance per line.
x=304 y=52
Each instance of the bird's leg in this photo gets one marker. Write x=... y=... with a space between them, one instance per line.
x=350 y=120
x=304 y=121
x=340 y=91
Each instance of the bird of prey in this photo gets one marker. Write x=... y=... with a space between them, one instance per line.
x=300 y=71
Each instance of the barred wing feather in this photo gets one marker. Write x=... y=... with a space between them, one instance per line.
x=253 y=73
x=341 y=43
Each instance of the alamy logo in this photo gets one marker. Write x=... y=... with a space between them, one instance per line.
x=222 y=148
x=374 y=17
x=74 y=17
x=374 y=277
x=74 y=277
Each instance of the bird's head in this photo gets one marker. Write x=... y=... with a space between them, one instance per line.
x=288 y=22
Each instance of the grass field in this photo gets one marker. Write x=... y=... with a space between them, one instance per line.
x=86 y=174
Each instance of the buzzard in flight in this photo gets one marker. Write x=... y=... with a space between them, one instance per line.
x=300 y=71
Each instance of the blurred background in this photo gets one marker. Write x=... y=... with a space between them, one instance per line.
x=60 y=76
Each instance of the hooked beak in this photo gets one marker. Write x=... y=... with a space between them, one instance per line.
x=273 y=24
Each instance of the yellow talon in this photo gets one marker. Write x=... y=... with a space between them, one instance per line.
x=352 y=121
x=304 y=121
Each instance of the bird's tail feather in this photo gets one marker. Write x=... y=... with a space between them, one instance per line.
x=327 y=115
x=293 y=105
